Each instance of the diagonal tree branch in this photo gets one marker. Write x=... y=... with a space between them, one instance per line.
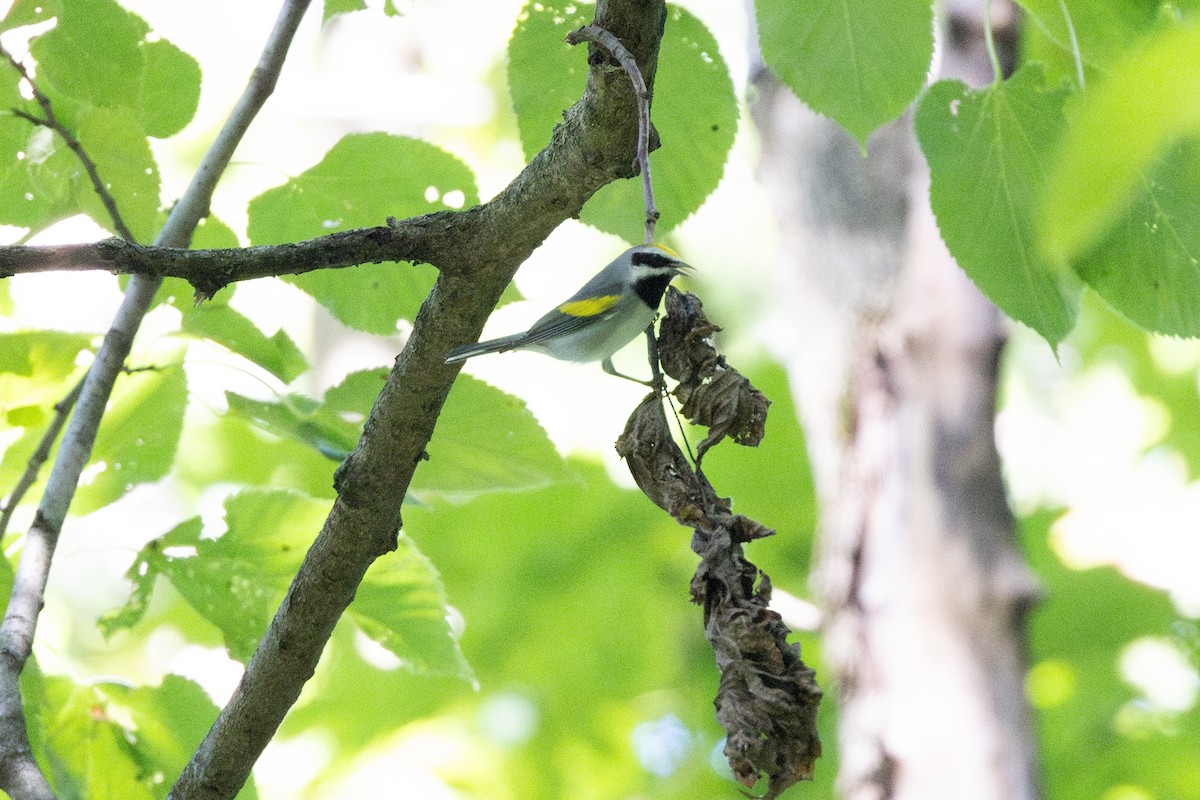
x=593 y=146
x=19 y=774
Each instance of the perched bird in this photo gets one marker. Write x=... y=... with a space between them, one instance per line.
x=605 y=315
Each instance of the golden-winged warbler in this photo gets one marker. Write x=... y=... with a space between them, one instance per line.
x=605 y=315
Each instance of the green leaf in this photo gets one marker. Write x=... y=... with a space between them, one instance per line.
x=218 y=322
x=88 y=753
x=92 y=54
x=330 y=429
x=229 y=449
x=859 y=62
x=116 y=142
x=335 y=7
x=37 y=370
x=21 y=145
x=167 y=723
x=401 y=605
x=169 y=89
x=22 y=203
x=988 y=152
x=695 y=111
x=1121 y=202
x=361 y=181
x=545 y=74
x=236 y=581
x=486 y=441
x=137 y=439
x=98 y=54
x=150 y=562
x=1103 y=29
x=1147 y=264
x=1118 y=131
x=30 y=12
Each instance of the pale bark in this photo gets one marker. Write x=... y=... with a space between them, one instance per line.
x=894 y=364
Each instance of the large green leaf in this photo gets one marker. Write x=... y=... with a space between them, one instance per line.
x=170 y=88
x=694 y=111
x=401 y=605
x=988 y=152
x=361 y=181
x=236 y=581
x=166 y=725
x=20 y=201
x=486 y=440
x=1102 y=29
x=1147 y=264
x=860 y=62
x=1123 y=200
x=98 y=55
x=91 y=55
x=117 y=144
x=137 y=438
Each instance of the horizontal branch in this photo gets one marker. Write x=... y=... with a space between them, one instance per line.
x=418 y=239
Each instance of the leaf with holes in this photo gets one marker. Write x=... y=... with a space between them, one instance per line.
x=361 y=181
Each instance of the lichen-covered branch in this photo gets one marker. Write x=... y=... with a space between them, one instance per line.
x=768 y=698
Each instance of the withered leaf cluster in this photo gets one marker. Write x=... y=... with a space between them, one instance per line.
x=768 y=698
x=713 y=394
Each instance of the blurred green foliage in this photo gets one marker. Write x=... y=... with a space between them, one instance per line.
x=533 y=637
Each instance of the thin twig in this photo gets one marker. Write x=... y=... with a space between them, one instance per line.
x=62 y=410
x=19 y=773
x=612 y=44
x=50 y=120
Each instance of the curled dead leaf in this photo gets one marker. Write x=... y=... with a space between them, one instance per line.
x=712 y=393
x=768 y=698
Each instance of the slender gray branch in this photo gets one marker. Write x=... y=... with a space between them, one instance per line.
x=19 y=774
x=592 y=147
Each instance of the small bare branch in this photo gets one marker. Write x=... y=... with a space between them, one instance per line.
x=418 y=239
x=594 y=33
x=62 y=410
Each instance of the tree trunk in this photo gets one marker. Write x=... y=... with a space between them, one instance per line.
x=895 y=366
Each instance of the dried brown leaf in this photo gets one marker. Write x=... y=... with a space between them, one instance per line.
x=768 y=698
x=712 y=393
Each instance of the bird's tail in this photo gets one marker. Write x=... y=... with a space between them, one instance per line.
x=479 y=348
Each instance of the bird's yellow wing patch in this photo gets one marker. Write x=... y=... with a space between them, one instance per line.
x=591 y=306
